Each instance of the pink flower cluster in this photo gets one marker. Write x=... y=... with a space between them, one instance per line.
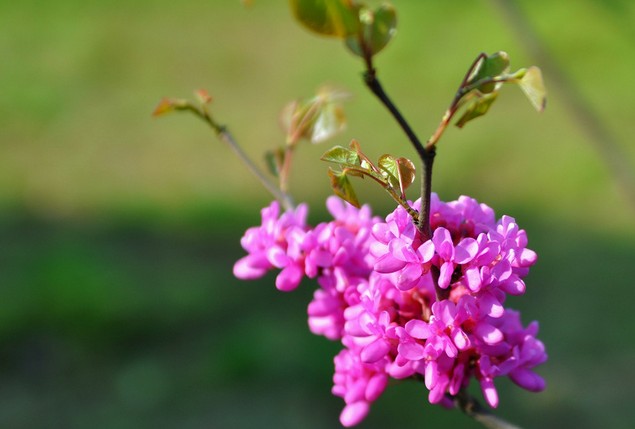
x=404 y=307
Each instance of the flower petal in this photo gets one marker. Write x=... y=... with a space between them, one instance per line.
x=374 y=351
x=411 y=350
x=354 y=413
x=488 y=333
x=527 y=379
x=489 y=391
x=388 y=264
x=289 y=278
x=418 y=329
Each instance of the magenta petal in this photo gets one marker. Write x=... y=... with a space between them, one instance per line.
x=418 y=329
x=354 y=413
x=376 y=386
x=322 y=258
x=399 y=370
x=355 y=391
x=465 y=251
x=489 y=391
x=437 y=394
x=409 y=276
x=443 y=243
x=491 y=305
x=411 y=351
x=472 y=277
x=460 y=339
x=431 y=376
x=277 y=257
x=502 y=270
x=426 y=251
x=402 y=251
x=245 y=271
x=445 y=275
x=489 y=333
x=388 y=264
x=381 y=231
x=450 y=349
x=514 y=286
x=336 y=207
x=289 y=278
x=325 y=326
x=527 y=380
x=374 y=351
x=527 y=257
x=259 y=260
x=456 y=382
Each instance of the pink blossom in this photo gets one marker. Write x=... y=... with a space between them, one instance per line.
x=405 y=307
x=275 y=244
x=358 y=383
x=449 y=256
x=399 y=250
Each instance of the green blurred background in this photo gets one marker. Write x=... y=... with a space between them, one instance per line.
x=118 y=231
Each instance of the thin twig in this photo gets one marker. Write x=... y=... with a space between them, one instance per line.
x=224 y=135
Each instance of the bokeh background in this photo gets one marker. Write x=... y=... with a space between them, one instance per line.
x=118 y=231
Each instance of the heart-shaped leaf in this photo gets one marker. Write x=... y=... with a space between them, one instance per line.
x=335 y=18
x=342 y=156
x=398 y=172
x=377 y=29
x=389 y=169
x=342 y=187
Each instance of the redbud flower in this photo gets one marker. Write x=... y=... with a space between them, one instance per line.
x=275 y=244
x=379 y=295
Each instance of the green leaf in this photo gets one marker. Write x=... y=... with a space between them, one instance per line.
x=477 y=107
x=384 y=27
x=398 y=172
x=389 y=169
x=342 y=187
x=342 y=156
x=336 y=18
x=377 y=29
x=534 y=88
x=489 y=66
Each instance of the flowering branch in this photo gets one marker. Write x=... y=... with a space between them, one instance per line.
x=417 y=295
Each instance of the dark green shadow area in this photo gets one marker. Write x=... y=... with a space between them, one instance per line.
x=123 y=326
